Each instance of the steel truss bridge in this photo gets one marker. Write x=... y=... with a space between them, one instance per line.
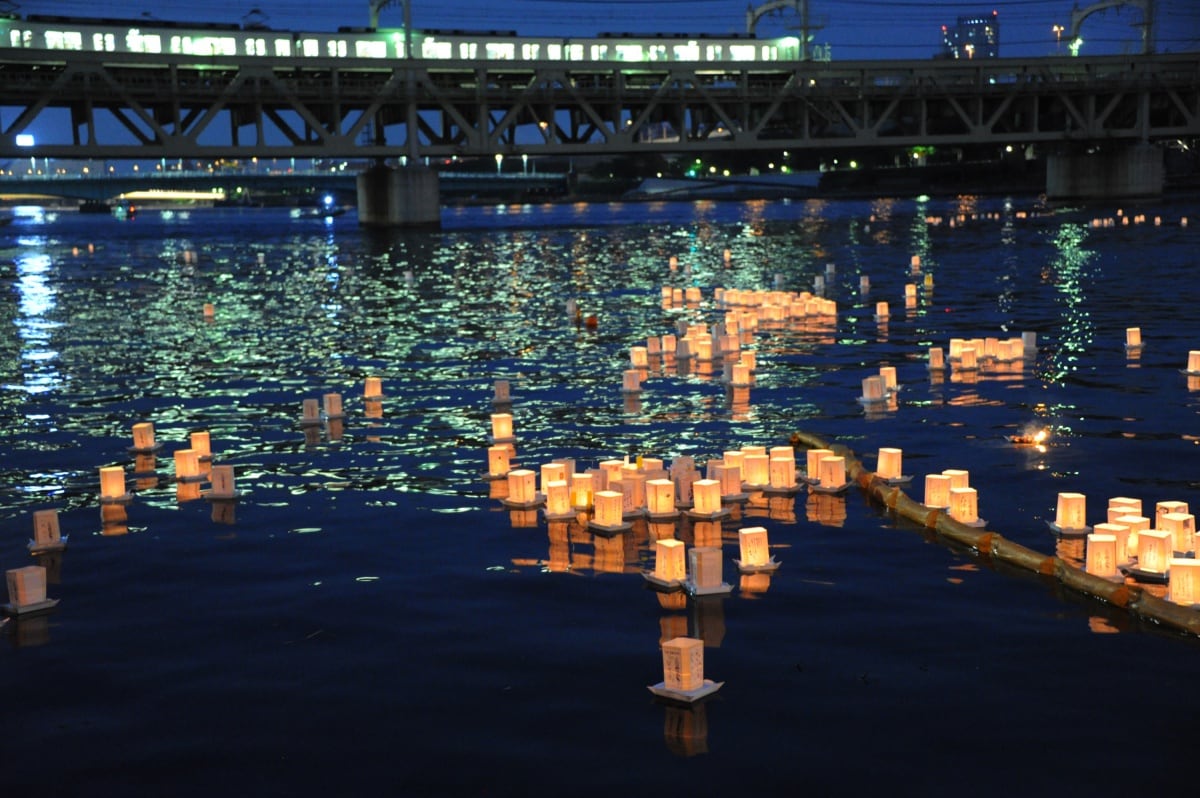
x=106 y=106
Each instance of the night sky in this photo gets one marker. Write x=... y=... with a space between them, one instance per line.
x=854 y=29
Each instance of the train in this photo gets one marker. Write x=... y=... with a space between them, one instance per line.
x=253 y=39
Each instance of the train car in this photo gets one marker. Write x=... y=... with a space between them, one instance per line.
x=148 y=36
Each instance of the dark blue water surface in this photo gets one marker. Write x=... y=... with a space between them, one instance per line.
x=368 y=620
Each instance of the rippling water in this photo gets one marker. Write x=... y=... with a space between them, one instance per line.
x=368 y=617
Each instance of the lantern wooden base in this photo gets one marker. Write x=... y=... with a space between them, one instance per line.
x=143 y=449
x=633 y=515
x=36 y=548
x=221 y=497
x=692 y=589
x=25 y=610
x=494 y=440
x=685 y=696
x=667 y=516
x=903 y=479
x=309 y=421
x=1069 y=532
x=609 y=530
x=1190 y=372
x=124 y=498
x=819 y=488
x=569 y=515
x=724 y=512
x=870 y=401
x=1140 y=575
x=193 y=478
x=488 y=476
x=662 y=585
x=770 y=565
x=537 y=501
x=780 y=490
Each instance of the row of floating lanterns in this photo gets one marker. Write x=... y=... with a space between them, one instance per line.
x=194 y=465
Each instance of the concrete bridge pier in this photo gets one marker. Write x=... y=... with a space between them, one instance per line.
x=407 y=196
x=1116 y=172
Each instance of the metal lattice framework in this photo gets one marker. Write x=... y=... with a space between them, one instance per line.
x=171 y=106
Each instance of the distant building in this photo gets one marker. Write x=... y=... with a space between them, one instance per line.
x=972 y=37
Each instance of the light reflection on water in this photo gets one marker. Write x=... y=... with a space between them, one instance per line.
x=106 y=320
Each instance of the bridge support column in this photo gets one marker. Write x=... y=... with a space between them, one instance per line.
x=404 y=197
x=1113 y=173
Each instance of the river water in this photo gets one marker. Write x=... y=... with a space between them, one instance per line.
x=369 y=617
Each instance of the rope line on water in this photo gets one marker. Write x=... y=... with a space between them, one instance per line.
x=1132 y=598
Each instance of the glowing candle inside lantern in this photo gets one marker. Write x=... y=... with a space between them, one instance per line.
x=1182 y=527
x=112 y=483
x=1101 y=558
x=143 y=437
x=332 y=405
x=201 y=444
x=881 y=310
x=373 y=388
x=752 y=542
x=502 y=427
x=937 y=490
x=683 y=664
x=889 y=462
x=45 y=528
x=608 y=507
x=669 y=562
x=498 y=460
x=959 y=478
x=706 y=496
x=967 y=360
x=1071 y=512
x=782 y=472
x=581 y=491
x=558 y=497
x=1133 y=337
x=964 y=505
x=704 y=566
x=639 y=357
x=26 y=586
x=1137 y=525
x=522 y=488
x=187 y=465
x=756 y=469
x=740 y=375
x=1184 y=585
x=1120 y=534
x=910 y=293
x=660 y=496
x=631 y=381
x=813 y=459
x=1154 y=550
x=832 y=472
x=222 y=485
x=872 y=389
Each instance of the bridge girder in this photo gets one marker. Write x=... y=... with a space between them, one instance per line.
x=274 y=109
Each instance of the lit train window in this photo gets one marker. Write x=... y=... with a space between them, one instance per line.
x=770 y=52
x=531 y=52
x=599 y=52
x=64 y=40
x=398 y=44
x=629 y=52
x=687 y=52
x=504 y=51
x=104 y=42
x=554 y=51
x=712 y=52
x=431 y=48
x=336 y=48
x=573 y=52
x=21 y=38
x=370 y=49
x=658 y=52
x=283 y=48
x=310 y=48
x=256 y=46
x=741 y=52
x=468 y=49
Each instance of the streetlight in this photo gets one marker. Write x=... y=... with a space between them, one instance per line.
x=499 y=161
x=1058 y=31
x=970 y=48
x=524 y=163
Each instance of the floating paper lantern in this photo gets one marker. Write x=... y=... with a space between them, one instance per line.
x=501 y=392
x=633 y=494
x=187 y=466
x=222 y=487
x=1183 y=587
x=1120 y=535
x=1029 y=343
x=888 y=375
x=498 y=460
x=1163 y=508
x=864 y=285
x=310 y=414
x=704 y=571
x=46 y=534
x=706 y=497
x=373 y=388
x=1071 y=512
x=210 y=311
x=332 y=406
x=881 y=311
x=782 y=473
x=581 y=491
x=522 y=489
x=937 y=490
x=660 y=498
x=143 y=438
x=1154 y=551
x=1123 y=505
x=502 y=428
x=730 y=478
x=889 y=465
x=964 y=506
x=1137 y=525
x=1193 y=364
x=609 y=510
x=1133 y=337
x=1182 y=527
x=558 y=499
x=756 y=470
x=968 y=360
x=1101 y=556
x=26 y=590
x=112 y=484
x=813 y=459
x=914 y=264
x=959 y=478
x=202 y=445
x=631 y=381
x=669 y=563
x=872 y=390
x=754 y=550
x=832 y=473
x=683 y=664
